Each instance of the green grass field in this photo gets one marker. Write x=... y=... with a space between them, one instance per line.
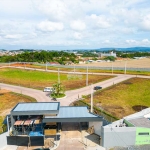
x=124 y=98
x=39 y=79
x=132 y=72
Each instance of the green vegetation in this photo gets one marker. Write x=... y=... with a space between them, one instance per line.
x=41 y=79
x=43 y=56
x=111 y=58
x=124 y=98
x=132 y=54
x=59 y=90
x=89 y=54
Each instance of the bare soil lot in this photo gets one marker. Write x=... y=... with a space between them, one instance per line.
x=130 y=63
x=8 y=100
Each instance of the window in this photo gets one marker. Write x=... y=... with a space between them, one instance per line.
x=144 y=133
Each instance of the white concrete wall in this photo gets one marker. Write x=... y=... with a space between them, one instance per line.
x=3 y=141
x=97 y=127
x=118 y=136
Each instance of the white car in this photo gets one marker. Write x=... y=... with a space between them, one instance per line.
x=48 y=89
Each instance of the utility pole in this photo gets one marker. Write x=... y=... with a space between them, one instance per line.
x=125 y=67
x=92 y=98
x=74 y=69
x=46 y=65
x=87 y=76
x=58 y=76
x=112 y=67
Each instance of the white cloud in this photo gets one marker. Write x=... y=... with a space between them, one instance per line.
x=145 y=42
x=131 y=41
x=146 y=22
x=106 y=41
x=50 y=26
x=78 y=25
x=78 y=35
x=12 y=36
x=100 y=21
x=54 y=9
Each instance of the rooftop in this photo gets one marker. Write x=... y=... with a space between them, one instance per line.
x=73 y=112
x=140 y=122
x=43 y=106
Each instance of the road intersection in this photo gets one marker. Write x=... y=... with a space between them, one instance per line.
x=71 y=95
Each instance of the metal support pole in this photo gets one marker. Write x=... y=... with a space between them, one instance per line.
x=74 y=69
x=8 y=125
x=125 y=67
x=112 y=67
x=87 y=76
x=58 y=76
x=91 y=98
x=46 y=65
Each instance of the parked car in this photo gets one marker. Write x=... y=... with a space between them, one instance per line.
x=97 y=87
x=48 y=89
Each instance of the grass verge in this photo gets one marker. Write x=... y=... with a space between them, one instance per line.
x=124 y=98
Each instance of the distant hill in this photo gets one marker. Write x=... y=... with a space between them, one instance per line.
x=130 y=49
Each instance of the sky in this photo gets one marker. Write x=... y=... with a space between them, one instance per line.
x=74 y=24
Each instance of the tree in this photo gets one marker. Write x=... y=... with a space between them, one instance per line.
x=111 y=58
x=58 y=90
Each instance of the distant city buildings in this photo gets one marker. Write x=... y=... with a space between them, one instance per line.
x=107 y=54
x=10 y=53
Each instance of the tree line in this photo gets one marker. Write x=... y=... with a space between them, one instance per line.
x=132 y=55
x=41 y=57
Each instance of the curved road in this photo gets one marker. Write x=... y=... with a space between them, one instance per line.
x=71 y=95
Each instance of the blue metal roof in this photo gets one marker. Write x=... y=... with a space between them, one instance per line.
x=37 y=106
x=72 y=112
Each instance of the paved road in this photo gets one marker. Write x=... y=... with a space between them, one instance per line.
x=71 y=96
x=39 y=95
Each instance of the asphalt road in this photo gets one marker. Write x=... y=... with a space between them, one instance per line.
x=71 y=95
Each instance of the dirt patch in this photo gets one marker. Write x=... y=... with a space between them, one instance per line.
x=2 y=91
x=139 y=107
x=115 y=110
x=5 y=112
x=130 y=63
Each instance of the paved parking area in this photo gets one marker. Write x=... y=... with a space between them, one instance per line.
x=71 y=137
